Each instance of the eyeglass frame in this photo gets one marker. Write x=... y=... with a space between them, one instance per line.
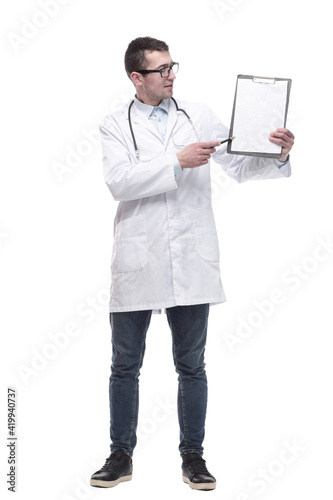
x=147 y=71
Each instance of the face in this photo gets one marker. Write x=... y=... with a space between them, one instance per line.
x=152 y=88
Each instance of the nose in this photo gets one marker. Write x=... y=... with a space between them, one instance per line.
x=172 y=76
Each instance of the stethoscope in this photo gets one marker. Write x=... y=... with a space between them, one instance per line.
x=131 y=127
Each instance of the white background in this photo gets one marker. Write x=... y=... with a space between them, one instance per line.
x=56 y=238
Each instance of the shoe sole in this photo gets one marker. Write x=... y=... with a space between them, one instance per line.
x=199 y=486
x=109 y=484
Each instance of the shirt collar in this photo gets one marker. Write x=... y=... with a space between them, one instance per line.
x=147 y=110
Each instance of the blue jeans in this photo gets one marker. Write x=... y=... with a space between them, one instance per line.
x=188 y=325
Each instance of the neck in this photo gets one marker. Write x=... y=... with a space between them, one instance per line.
x=147 y=100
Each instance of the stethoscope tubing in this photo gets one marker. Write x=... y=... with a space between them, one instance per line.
x=131 y=126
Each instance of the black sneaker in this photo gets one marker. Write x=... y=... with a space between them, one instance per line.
x=117 y=468
x=195 y=473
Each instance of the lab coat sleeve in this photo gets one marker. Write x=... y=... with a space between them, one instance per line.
x=126 y=179
x=244 y=168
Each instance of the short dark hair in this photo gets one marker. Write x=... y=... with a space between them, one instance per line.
x=135 y=55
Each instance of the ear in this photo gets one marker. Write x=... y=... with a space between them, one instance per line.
x=136 y=78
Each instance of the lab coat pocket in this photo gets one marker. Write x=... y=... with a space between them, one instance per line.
x=183 y=138
x=130 y=252
x=205 y=236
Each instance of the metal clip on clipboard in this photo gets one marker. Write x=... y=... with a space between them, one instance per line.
x=263 y=79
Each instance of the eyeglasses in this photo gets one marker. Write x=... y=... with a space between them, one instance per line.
x=164 y=72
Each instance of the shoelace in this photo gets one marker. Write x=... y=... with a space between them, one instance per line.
x=112 y=463
x=198 y=466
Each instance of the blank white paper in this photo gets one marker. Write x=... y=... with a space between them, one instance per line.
x=259 y=110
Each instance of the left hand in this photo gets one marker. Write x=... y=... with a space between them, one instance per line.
x=283 y=137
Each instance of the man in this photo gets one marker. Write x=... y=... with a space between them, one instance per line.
x=156 y=154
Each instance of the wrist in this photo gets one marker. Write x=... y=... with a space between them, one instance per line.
x=180 y=160
x=283 y=158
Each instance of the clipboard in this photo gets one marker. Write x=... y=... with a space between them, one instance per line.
x=260 y=107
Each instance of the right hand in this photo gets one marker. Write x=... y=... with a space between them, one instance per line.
x=197 y=154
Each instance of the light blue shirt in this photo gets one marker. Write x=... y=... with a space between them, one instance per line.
x=159 y=115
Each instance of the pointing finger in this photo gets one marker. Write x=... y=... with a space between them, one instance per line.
x=209 y=144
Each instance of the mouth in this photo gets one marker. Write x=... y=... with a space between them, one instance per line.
x=169 y=86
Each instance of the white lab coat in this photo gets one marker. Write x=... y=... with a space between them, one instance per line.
x=166 y=250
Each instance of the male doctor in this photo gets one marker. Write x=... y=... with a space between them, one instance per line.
x=156 y=154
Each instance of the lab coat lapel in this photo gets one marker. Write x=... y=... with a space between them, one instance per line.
x=140 y=120
x=172 y=119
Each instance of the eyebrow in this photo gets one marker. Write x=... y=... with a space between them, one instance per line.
x=165 y=65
